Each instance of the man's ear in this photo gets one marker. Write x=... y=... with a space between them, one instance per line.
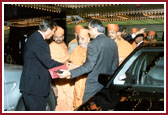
x=48 y=30
x=95 y=30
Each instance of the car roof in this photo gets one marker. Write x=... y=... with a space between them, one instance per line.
x=149 y=45
x=152 y=44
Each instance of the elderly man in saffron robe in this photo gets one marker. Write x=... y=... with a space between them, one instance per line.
x=77 y=58
x=74 y=42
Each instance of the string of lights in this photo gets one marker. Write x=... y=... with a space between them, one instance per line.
x=103 y=12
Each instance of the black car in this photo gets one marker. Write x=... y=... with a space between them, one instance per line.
x=137 y=85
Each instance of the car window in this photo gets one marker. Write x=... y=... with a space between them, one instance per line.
x=155 y=76
x=136 y=70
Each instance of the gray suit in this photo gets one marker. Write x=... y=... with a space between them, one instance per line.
x=102 y=58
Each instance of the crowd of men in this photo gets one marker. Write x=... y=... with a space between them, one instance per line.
x=89 y=54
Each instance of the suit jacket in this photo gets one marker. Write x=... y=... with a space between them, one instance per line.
x=102 y=58
x=35 y=78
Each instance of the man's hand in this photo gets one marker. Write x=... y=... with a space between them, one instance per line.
x=71 y=66
x=64 y=74
x=141 y=31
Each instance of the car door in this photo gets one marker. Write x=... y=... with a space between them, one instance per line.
x=130 y=88
x=142 y=84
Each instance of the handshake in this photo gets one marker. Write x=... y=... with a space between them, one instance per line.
x=63 y=73
x=60 y=72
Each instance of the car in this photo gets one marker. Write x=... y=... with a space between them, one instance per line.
x=13 y=100
x=137 y=84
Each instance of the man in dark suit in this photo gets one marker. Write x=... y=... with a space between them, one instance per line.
x=102 y=58
x=35 y=79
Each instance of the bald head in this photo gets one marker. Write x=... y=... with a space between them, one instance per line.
x=59 y=35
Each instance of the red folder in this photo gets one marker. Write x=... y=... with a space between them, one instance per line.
x=53 y=72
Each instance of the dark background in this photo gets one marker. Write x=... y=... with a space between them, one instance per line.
x=17 y=36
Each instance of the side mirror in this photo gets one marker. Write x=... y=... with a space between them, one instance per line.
x=104 y=79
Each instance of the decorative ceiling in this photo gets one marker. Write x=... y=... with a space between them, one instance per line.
x=81 y=13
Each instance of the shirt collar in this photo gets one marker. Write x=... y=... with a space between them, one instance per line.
x=139 y=43
x=98 y=35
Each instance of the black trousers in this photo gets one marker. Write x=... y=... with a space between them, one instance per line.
x=34 y=103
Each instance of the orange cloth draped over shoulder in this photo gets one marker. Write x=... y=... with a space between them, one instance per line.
x=134 y=45
x=124 y=49
x=59 y=52
x=64 y=87
x=78 y=57
x=72 y=41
